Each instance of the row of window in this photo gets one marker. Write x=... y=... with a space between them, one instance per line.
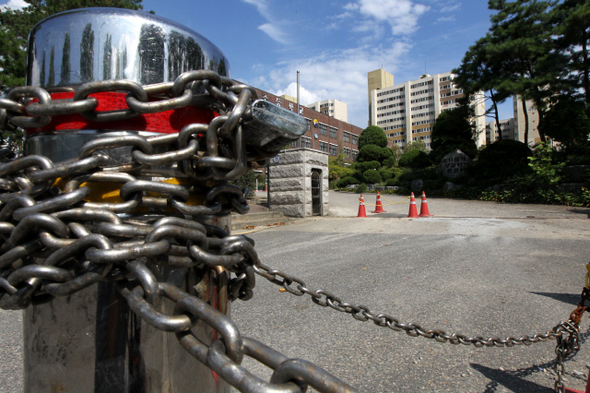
x=420 y=130
x=393 y=134
x=452 y=93
x=429 y=98
x=391 y=113
x=390 y=106
x=417 y=108
x=391 y=99
x=393 y=127
x=421 y=138
x=420 y=84
x=384 y=93
x=391 y=120
x=419 y=123
x=416 y=93
x=445 y=78
x=423 y=114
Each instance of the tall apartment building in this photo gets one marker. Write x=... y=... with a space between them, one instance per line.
x=378 y=79
x=333 y=108
x=520 y=121
x=507 y=127
x=407 y=111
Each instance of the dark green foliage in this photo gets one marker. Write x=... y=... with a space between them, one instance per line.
x=363 y=166
x=501 y=160
x=361 y=188
x=567 y=122
x=346 y=181
x=452 y=131
x=374 y=153
x=386 y=173
x=414 y=159
x=390 y=162
x=372 y=135
x=372 y=176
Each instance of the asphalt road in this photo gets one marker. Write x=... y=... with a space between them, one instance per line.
x=476 y=268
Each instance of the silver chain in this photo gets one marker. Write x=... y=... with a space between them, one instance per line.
x=57 y=241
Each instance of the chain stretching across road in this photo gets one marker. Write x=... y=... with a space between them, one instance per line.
x=59 y=238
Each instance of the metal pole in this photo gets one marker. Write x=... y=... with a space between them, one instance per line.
x=298 y=84
x=91 y=341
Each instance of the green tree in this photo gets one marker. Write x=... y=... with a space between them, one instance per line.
x=374 y=153
x=571 y=21
x=451 y=131
x=372 y=135
x=567 y=122
x=339 y=168
x=15 y=26
x=521 y=37
x=480 y=72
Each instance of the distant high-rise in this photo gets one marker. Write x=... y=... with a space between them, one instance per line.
x=378 y=79
x=407 y=111
x=333 y=108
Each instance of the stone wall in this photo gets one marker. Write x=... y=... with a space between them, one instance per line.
x=290 y=182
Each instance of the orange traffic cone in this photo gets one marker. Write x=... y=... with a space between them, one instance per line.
x=424 y=207
x=378 y=205
x=362 y=212
x=413 y=211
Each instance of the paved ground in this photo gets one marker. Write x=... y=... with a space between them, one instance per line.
x=477 y=268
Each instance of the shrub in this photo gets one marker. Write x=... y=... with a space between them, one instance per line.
x=361 y=188
x=385 y=173
x=414 y=159
x=390 y=162
x=372 y=176
x=501 y=160
x=346 y=181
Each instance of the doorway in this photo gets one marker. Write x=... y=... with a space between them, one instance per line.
x=316 y=192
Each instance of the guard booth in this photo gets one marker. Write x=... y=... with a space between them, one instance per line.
x=299 y=183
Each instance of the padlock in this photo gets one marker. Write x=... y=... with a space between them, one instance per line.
x=270 y=129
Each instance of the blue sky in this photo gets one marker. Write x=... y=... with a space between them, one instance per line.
x=333 y=43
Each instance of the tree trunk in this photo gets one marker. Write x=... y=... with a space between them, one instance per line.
x=496 y=116
x=526 y=120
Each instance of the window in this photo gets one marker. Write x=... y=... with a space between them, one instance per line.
x=346 y=137
x=354 y=154
x=333 y=132
x=324 y=146
x=295 y=143
x=333 y=150
x=323 y=129
x=305 y=141
x=347 y=152
x=355 y=139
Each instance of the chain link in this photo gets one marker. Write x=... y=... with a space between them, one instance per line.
x=60 y=235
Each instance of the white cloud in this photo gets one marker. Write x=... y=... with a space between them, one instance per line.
x=275 y=32
x=340 y=75
x=401 y=15
x=15 y=4
x=273 y=26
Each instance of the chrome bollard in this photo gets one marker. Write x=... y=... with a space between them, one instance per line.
x=91 y=341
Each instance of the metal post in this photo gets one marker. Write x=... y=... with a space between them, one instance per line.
x=91 y=341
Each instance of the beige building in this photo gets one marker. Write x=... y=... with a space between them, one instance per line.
x=407 y=111
x=333 y=108
x=520 y=121
x=508 y=129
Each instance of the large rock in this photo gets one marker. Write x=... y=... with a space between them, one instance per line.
x=453 y=164
x=417 y=184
